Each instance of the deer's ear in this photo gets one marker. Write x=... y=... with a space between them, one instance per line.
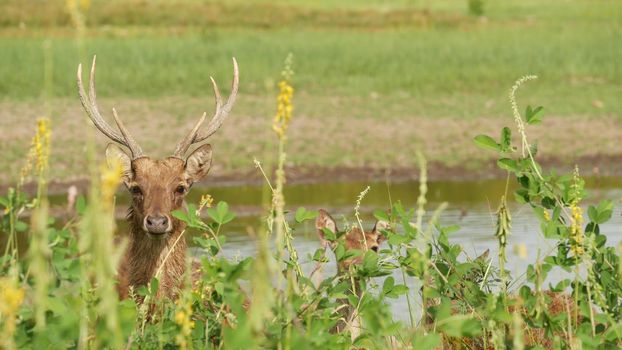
x=378 y=228
x=199 y=162
x=115 y=155
x=324 y=221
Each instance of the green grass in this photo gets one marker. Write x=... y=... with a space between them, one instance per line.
x=574 y=64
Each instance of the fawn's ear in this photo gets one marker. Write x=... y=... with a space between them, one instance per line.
x=199 y=162
x=114 y=156
x=324 y=221
x=483 y=256
x=379 y=227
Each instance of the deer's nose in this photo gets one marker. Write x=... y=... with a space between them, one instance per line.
x=157 y=224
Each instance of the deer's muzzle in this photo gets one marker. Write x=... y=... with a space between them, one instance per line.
x=157 y=224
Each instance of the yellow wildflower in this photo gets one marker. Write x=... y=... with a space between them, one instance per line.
x=576 y=216
x=284 y=100
x=11 y=297
x=39 y=152
x=42 y=145
x=85 y=5
x=576 y=232
x=547 y=216
x=23 y=174
x=110 y=179
x=521 y=250
x=206 y=202
x=183 y=319
x=180 y=317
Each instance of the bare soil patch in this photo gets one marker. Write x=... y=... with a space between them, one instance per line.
x=321 y=148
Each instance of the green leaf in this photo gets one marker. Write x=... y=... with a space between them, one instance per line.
x=388 y=284
x=154 y=285
x=302 y=215
x=80 y=205
x=601 y=213
x=329 y=235
x=381 y=215
x=487 y=142
x=319 y=255
x=397 y=239
x=533 y=116
x=398 y=290
x=340 y=251
x=181 y=215
x=221 y=214
x=506 y=139
x=21 y=226
x=508 y=164
x=427 y=341
x=450 y=229
x=370 y=260
x=460 y=325
x=219 y=287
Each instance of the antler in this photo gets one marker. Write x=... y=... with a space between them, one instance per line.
x=90 y=106
x=221 y=113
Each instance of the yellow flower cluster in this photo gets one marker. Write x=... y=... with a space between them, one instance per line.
x=23 y=174
x=284 y=108
x=521 y=250
x=42 y=144
x=110 y=178
x=11 y=297
x=206 y=201
x=39 y=152
x=576 y=233
x=183 y=319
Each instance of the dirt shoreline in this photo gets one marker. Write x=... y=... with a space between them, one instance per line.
x=599 y=165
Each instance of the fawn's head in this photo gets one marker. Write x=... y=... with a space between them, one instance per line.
x=158 y=187
x=354 y=239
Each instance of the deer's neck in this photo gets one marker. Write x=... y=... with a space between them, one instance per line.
x=145 y=257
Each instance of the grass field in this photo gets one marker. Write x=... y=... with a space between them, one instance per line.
x=370 y=73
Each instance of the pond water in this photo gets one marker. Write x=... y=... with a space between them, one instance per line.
x=472 y=205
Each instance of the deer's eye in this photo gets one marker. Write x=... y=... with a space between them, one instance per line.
x=180 y=189
x=136 y=191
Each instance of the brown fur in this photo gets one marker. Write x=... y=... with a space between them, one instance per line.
x=159 y=182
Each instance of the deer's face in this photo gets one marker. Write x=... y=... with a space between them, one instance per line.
x=158 y=187
x=354 y=239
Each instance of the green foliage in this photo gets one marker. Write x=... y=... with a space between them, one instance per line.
x=476 y=7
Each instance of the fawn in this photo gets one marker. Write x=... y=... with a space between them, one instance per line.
x=354 y=239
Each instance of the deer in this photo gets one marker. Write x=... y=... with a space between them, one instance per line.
x=354 y=239
x=157 y=188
